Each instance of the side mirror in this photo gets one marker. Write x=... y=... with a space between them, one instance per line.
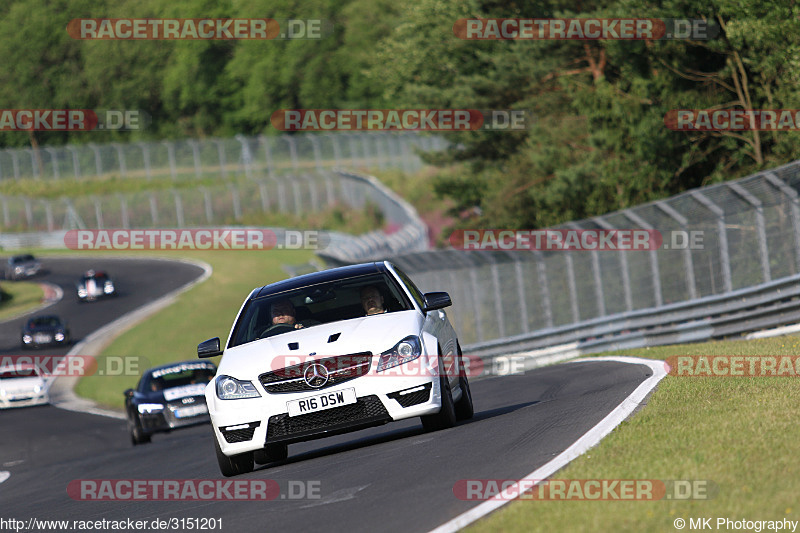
x=129 y=393
x=209 y=348
x=436 y=300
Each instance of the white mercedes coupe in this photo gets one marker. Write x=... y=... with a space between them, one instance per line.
x=329 y=353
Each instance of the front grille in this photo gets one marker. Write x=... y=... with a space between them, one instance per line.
x=366 y=410
x=240 y=435
x=341 y=368
x=414 y=398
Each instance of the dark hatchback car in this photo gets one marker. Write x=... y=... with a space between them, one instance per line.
x=44 y=330
x=168 y=397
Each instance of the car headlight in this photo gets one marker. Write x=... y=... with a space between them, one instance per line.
x=18 y=270
x=82 y=292
x=404 y=351
x=3 y=393
x=27 y=339
x=147 y=408
x=37 y=389
x=229 y=388
x=108 y=288
x=59 y=336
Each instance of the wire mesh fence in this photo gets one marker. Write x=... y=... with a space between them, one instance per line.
x=716 y=240
x=266 y=156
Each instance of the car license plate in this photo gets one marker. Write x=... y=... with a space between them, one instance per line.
x=320 y=402
x=41 y=337
x=194 y=410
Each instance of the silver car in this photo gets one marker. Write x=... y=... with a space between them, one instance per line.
x=22 y=266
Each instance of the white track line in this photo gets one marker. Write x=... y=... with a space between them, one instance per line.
x=578 y=448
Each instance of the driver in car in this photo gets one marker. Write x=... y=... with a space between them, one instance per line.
x=372 y=300
x=283 y=313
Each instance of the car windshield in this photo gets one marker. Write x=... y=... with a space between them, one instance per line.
x=21 y=259
x=317 y=304
x=17 y=373
x=99 y=278
x=44 y=322
x=178 y=377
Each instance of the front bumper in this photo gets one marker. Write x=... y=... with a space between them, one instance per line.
x=7 y=402
x=247 y=425
x=169 y=419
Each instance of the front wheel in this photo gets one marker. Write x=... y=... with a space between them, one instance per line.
x=464 y=407
x=234 y=465
x=446 y=417
x=138 y=436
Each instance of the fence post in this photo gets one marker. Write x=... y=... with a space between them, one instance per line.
x=688 y=262
x=623 y=263
x=54 y=160
x=123 y=169
x=153 y=209
x=178 y=209
x=247 y=157
x=760 y=226
x=292 y=151
x=198 y=167
x=76 y=165
x=146 y=157
x=317 y=152
x=267 y=154
x=724 y=256
x=173 y=170
x=98 y=213
x=654 y=271
x=98 y=161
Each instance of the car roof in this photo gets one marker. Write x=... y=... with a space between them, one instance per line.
x=324 y=276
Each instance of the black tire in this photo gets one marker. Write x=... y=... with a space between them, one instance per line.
x=464 y=407
x=271 y=453
x=234 y=465
x=446 y=417
x=138 y=436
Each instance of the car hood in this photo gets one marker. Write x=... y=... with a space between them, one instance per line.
x=374 y=334
x=19 y=385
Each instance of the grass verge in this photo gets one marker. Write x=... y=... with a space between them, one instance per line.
x=205 y=311
x=17 y=297
x=736 y=432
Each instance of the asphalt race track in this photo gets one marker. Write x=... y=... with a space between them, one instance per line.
x=391 y=478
